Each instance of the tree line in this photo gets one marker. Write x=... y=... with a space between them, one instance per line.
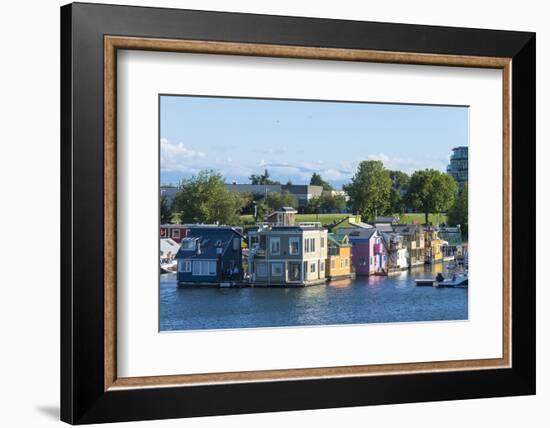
x=373 y=191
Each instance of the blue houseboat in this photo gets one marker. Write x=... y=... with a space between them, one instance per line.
x=210 y=255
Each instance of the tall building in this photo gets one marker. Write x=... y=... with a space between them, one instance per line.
x=458 y=165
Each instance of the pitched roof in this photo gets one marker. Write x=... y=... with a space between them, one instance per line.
x=338 y=240
x=209 y=239
x=453 y=235
x=383 y=227
x=361 y=233
x=406 y=229
x=168 y=245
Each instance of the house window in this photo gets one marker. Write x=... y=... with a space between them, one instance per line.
x=312 y=268
x=277 y=269
x=204 y=268
x=188 y=244
x=322 y=242
x=176 y=233
x=211 y=268
x=275 y=246
x=322 y=267
x=332 y=264
x=310 y=245
x=294 y=246
x=341 y=263
x=346 y=261
x=261 y=269
x=184 y=266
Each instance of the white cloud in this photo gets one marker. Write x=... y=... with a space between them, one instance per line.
x=178 y=157
x=396 y=163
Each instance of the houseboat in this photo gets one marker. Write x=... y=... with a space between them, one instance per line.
x=174 y=231
x=413 y=239
x=398 y=258
x=369 y=255
x=284 y=253
x=434 y=245
x=452 y=242
x=338 y=265
x=210 y=255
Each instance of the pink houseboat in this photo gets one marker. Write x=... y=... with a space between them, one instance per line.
x=369 y=254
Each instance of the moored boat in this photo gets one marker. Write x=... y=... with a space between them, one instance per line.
x=457 y=281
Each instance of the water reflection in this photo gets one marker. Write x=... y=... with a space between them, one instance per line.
x=373 y=299
x=340 y=283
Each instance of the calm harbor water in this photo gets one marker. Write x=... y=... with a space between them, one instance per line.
x=374 y=299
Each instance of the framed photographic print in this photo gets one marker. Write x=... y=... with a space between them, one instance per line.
x=265 y=213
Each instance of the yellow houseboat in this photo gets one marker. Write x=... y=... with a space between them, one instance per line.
x=338 y=265
x=434 y=245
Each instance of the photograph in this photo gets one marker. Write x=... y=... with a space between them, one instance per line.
x=290 y=212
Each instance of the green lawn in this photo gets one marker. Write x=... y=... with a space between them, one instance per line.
x=327 y=219
x=419 y=218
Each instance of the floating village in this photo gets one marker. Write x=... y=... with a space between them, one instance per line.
x=281 y=252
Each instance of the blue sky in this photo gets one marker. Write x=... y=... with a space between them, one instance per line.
x=292 y=139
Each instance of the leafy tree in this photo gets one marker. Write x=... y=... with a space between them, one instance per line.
x=249 y=201
x=277 y=200
x=458 y=214
x=431 y=191
x=262 y=210
x=317 y=180
x=165 y=210
x=262 y=179
x=326 y=203
x=205 y=199
x=369 y=190
x=400 y=183
x=314 y=205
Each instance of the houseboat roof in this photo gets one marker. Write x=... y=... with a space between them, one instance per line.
x=296 y=228
x=407 y=229
x=383 y=227
x=362 y=233
x=352 y=223
x=209 y=239
x=338 y=240
x=453 y=235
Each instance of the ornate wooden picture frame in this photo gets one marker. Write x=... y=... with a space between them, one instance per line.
x=91 y=390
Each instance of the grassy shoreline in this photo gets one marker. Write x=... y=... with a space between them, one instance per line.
x=327 y=219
